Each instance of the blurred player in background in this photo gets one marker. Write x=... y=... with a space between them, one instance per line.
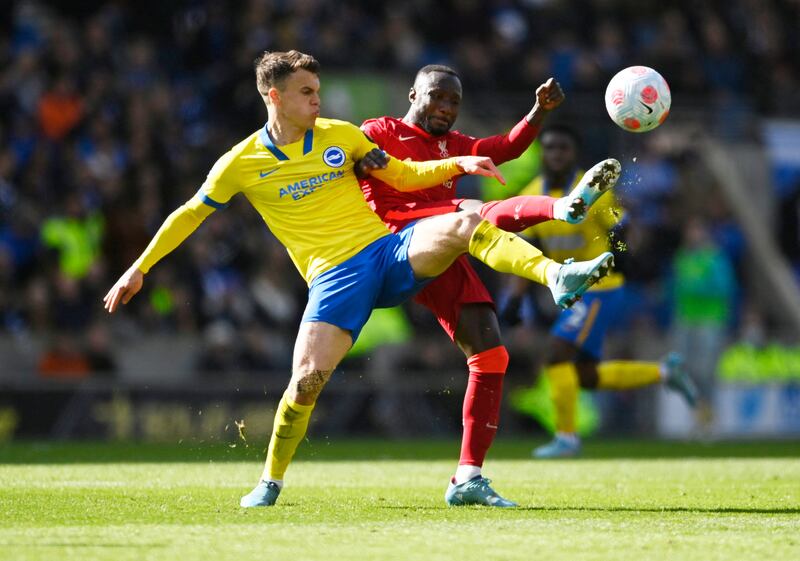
x=576 y=338
x=299 y=172
x=458 y=298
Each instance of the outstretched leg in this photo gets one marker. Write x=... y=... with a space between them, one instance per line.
x=519 y=213
x=318 y=350
x=437 y=241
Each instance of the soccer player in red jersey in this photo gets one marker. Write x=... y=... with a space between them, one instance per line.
x=458 y=298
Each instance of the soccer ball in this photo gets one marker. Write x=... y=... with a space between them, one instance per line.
x=638 y=99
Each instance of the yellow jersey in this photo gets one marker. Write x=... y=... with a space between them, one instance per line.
x=306 y=192
x=561 y=240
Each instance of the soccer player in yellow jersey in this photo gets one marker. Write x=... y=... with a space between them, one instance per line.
x=576 y=339
x=299 y=173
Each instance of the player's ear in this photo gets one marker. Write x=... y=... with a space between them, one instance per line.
x=412 y=94
x=274 y=95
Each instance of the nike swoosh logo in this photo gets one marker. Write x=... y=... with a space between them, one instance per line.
x=404 y=138
x=263 y=174
x=649 y=109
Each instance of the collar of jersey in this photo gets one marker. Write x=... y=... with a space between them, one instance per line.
x=420 y=131
x=269 y=143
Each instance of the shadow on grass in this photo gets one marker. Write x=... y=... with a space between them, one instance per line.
x=666 y=509
x=326 y=450
x=72 y=544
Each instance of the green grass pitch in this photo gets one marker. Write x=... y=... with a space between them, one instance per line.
x=366 y=500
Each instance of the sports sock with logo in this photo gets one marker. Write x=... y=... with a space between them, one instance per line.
x=291 y=423
x=518 y=213
x=481 y=410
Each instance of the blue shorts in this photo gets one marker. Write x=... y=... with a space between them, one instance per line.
x=585 y=324
x=378 y=276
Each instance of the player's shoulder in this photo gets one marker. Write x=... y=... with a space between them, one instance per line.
x=457 y=134
x=378 y=125
x=338 y=130
x=334 y=125
x=384 y=122
x=242 y=148
x=246 y=145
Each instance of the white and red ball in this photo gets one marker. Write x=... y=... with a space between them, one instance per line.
x=638 y=99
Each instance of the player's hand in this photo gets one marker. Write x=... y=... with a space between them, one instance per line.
x=549 y=95
x=372 y=160
x=124 y=289
x=479 y=165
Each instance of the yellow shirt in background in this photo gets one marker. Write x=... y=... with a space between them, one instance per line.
x=560 y=240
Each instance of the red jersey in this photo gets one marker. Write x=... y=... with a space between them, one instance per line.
x=406 y=141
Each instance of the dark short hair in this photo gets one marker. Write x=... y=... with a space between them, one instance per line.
x=273 y=68
x=431 y=68
x=566 y=130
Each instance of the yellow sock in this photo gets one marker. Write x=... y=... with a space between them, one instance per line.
x=627 y=374
x=563 y=380
x=508 y=253
x=291 y=422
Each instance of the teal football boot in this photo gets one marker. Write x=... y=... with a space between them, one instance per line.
x=559 y=447
x=476 y=491
x=678 y=379
x=576 y=277
x=264 y=494
x=598 y=180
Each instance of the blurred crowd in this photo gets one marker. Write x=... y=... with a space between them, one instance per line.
x=112 y=112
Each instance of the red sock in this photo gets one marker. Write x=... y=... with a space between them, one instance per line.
x=518 y=213
x=481 y=412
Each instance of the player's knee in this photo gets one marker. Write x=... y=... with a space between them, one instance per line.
x=470 y=205
x=466 y=224
x=307 y=383
x=560 y=351
x=587 y=376
x=459 y=230
x=492 y=361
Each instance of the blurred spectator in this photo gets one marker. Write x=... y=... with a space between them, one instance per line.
x=111 y=114
x=76 y=237
x=60 y=109
x=64 y=360
x=704 y=289
x=789 y=228
x=98 y=351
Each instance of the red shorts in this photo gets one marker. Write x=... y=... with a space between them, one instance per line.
x=458 y=285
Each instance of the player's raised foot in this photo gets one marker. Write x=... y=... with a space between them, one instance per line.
x=264 y=494
x=576 y=277
x=476 y=491
x=599 y=179
x=560 y=447
x=677 y=378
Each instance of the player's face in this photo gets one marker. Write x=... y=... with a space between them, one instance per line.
x=558 y=152
x=297 y=99
x=436 y=99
